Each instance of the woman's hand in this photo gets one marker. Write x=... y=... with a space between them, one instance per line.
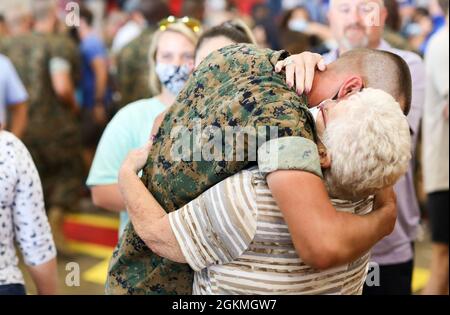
x=137 y=158
x=386 y=202
x=300 y=70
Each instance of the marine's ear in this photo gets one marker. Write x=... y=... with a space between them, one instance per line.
x=352 y=85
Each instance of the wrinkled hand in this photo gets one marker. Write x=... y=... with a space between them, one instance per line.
x=137 y=158
x=386 y=201
x=300 y=70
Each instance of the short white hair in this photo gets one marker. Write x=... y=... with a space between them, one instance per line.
x=370 y=146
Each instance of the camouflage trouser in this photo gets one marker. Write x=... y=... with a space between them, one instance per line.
x=60 y=167
x=135 y=269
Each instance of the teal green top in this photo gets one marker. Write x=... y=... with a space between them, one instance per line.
x=129 y=129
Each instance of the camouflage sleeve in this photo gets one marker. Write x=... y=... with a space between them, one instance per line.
x=58 y=48
x=64 y=51
x=289 y=153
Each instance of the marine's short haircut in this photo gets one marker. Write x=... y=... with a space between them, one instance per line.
x=380 y=70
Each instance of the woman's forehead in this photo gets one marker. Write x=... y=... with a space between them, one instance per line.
x=169 y=40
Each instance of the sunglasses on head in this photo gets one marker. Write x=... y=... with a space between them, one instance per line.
x=194 y=24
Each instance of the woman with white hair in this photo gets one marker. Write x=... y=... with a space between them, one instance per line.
x=234 y=236
x=23 y=221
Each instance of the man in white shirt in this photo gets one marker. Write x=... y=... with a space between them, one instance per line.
x=23 y=222
x=436 y=156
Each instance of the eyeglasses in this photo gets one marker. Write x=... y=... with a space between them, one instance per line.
x=322 y=109
x=194 y=24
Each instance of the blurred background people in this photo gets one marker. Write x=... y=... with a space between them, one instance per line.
x=13 y=99
x=227 y=33
x=3 y=27
x=93 y=85
x=423 y=22
x=436 y=155
x=299 y=33
x=131 y=29
x=23 y=221
x=419 y=29
x=194 y=9
x=132 y=61
x=393 y=26
x=171 y=55
x=264 y=26
x=47 y=63
x=317 y=9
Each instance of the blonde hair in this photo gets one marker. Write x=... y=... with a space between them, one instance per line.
x=370 y=146
x=155 y=84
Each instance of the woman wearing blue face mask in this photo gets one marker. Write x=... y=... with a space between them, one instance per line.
x=171 y=56
x=300 y=33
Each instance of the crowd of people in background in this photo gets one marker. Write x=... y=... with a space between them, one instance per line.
x=80 y=97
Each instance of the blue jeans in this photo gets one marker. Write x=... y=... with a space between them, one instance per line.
x=12 y=289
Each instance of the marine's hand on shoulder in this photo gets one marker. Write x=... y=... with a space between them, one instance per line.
x=300 y=70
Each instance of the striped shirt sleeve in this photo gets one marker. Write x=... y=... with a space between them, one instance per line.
x=218 y=226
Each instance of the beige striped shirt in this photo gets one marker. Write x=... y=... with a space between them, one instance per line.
x=235 y=238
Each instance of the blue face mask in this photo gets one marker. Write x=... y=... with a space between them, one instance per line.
x=299 y=25
x=413 y=29
x=173 y=77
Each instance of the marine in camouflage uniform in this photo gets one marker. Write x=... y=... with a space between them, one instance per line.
x=133 y=69
x=53 y=133
x=236 y=86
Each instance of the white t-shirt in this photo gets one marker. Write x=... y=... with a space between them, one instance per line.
x=125 y=35
x=22 y=213
x=435 y=126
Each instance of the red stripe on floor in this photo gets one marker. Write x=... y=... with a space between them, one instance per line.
x=90 y=234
